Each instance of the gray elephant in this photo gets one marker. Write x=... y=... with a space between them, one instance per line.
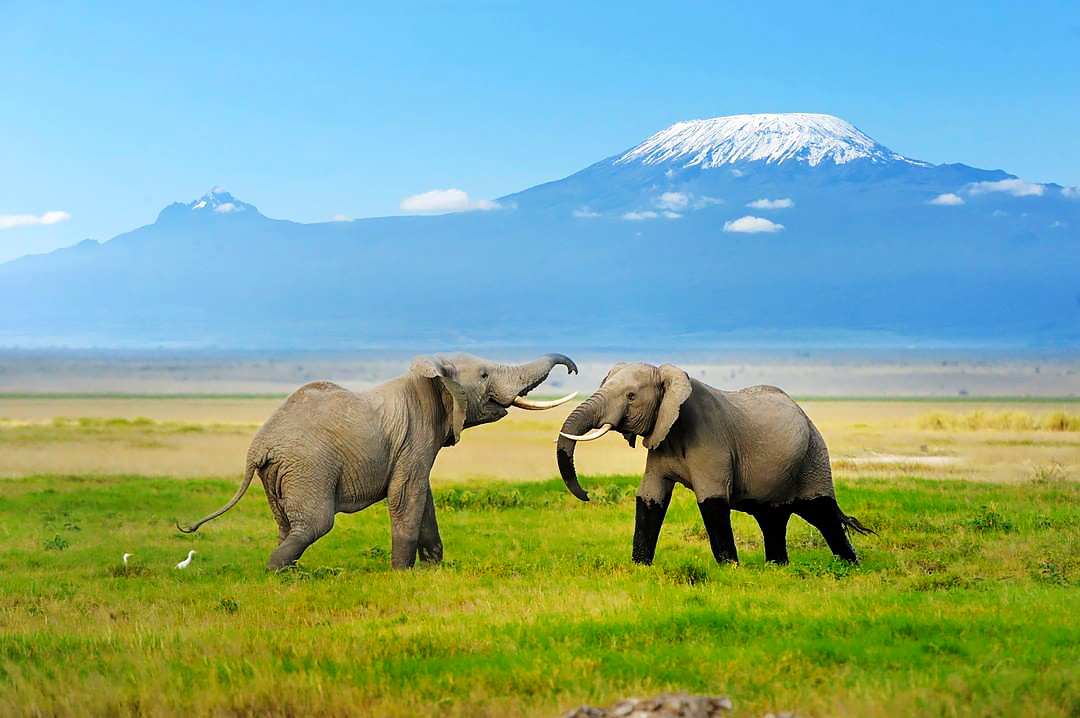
x=752 y=450
x=328 y=450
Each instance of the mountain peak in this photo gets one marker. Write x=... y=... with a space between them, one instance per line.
x=217 y=202
x=220 y=201
x=770 y=137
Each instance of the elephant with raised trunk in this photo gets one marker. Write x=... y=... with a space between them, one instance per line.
x=752 y=450
x=328 y=450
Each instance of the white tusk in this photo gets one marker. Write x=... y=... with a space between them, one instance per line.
x=594 y=434
x=523 y=403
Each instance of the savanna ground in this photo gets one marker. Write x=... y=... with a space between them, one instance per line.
x=964 y=604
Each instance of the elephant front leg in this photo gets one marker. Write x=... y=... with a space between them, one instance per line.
x=430 y=543
x=407 y=500
x=716 y=513
x=653 y=499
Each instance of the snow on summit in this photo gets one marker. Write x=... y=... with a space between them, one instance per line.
x=220 y=201
x=771 y=137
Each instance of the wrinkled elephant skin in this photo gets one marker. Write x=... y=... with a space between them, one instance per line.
x=328 y=450
x=753 y=450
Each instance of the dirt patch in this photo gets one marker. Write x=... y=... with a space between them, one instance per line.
x=873 y=458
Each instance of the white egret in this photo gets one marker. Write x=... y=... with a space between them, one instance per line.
x=126 y=556
x=187 y=561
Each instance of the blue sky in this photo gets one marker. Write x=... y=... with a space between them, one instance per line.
x=109 y=111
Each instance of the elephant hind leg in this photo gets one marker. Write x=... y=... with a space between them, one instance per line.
x=282 y=520
x=773 y=522
x=268 y=474
x=305 y=528
x=824 y=514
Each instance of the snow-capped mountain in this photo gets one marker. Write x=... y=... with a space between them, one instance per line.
x=770 y=137
x=220 y=201
x=215 y=203
x=775 y=229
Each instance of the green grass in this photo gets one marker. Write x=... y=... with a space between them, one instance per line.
x=965 y=604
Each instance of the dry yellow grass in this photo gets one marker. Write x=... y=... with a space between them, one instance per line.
x=1007 y=420
x=209 y=437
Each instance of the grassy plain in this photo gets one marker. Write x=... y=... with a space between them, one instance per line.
x=965 y=604
x=188 y=437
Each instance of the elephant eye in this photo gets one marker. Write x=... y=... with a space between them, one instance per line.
x=630 y=396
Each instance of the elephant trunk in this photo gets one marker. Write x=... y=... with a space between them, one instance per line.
x=519 y=380
x=583 y=418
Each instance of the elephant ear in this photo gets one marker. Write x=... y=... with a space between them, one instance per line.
x=675 y=384
x=453 y=396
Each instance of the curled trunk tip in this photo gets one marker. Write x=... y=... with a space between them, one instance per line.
x=581 y=419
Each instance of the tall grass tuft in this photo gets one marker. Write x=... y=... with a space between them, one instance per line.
x=1007 y=420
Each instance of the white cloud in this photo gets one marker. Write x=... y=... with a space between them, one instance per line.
x=7 y=221
x=671 y=215
x=947 y=200
x=752 y=225
x=772 y=203
x=341 y=218
x=226 y=207
x=682 y=201
x=669 y=173
x=737 y=173
x=674 y=201
x=1015 y=187
x=1071 y=192
x=438 y=201
x=640 y=215
x=999 y=213
x=585 y=213
x=1057 y=224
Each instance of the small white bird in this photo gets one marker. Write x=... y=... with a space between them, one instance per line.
x=126 y=556
x=187 y=561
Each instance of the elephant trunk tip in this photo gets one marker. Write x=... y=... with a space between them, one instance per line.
x=571 y=367
x=565 y=456
x=185 y=529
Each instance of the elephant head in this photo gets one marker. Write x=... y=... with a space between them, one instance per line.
x=634 y=400
x=476 y=391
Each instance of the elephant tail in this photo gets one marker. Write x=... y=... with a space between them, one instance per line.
x=249 y=472
x=852 y=523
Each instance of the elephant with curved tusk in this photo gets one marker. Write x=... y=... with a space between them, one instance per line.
x=752 y=450
x=328 y=450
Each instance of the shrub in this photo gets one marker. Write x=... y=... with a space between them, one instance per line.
x=228 y=605
x=989 y=520
x=56 y=543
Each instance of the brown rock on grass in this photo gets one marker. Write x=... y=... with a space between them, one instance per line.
x=667 y=705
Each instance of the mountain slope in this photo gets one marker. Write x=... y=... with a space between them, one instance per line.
x=751 y=228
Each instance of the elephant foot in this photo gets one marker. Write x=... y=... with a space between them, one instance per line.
x=431 y=554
